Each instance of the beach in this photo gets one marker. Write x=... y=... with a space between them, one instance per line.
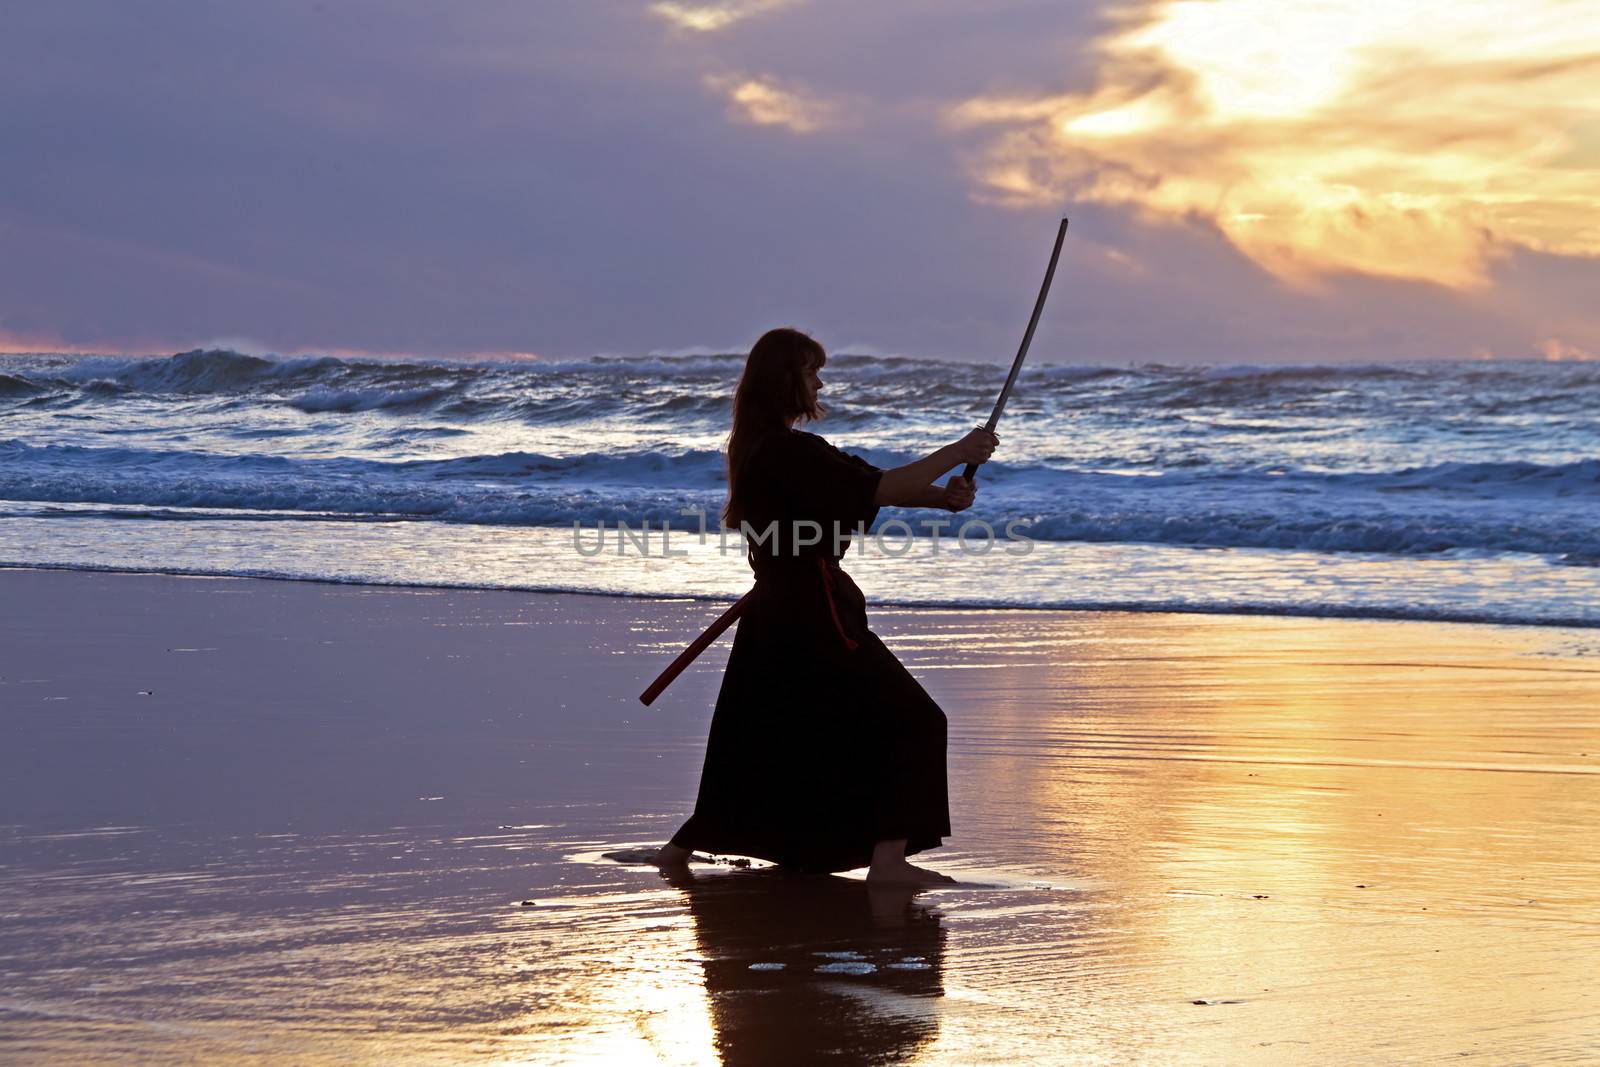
x=270 y=821
x=1200 y=406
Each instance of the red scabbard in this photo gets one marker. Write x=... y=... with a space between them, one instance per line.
x=687 y=656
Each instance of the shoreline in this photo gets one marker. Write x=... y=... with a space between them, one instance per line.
x=1336 y=614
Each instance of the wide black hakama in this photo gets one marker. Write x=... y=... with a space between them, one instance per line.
x=821 y=744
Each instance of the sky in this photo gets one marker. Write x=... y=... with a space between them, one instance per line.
x=1248 y=180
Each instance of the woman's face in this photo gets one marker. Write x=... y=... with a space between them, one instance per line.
x=813 y=381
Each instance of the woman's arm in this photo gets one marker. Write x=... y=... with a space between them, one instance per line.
x=955 y=495
x=930 y=496
x=912 y=486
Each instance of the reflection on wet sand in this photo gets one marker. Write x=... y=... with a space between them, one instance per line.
x=1180 y=840
x=804 y=968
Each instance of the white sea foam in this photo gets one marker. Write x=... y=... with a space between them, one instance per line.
x=1415 y=460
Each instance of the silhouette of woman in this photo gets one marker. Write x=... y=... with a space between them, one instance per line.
x=824 y=753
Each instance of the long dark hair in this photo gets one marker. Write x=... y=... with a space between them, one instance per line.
x=772 y=394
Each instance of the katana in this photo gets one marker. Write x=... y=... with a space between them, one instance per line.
x=1027 y=339
x=727 y=618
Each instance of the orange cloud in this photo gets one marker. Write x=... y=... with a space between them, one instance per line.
x=707 y=18
x=1413 y=141
x=765 y=103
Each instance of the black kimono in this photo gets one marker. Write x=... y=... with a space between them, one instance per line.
x=822 y=744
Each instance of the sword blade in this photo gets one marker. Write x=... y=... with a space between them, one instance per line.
x=1027 y=339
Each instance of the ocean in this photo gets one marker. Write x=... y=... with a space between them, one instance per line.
x=1451 y=491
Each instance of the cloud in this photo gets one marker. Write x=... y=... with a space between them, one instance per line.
x=1419 y=141
x=765 y=103
x=559 y=178
x=707 y=18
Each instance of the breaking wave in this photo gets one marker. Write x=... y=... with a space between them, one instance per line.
x=1410 y=459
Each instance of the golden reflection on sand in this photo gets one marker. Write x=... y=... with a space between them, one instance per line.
x=736 y=967
x=1290 y=823
x=1180 y=839
x=804 y=969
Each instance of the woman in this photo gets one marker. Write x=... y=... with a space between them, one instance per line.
x=825 y=754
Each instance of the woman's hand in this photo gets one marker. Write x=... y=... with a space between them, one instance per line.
x=977 y=446
x=916 y=484
x=959 y=493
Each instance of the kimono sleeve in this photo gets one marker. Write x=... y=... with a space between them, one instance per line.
x=836 y=486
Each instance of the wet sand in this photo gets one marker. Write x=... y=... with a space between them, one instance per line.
x=249 y=821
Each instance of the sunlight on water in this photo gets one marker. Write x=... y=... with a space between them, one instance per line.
x=1459 y=586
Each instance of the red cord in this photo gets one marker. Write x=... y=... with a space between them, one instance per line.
x=827 y=589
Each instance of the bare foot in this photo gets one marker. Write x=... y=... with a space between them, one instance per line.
x=903 y=873
x=670 y=855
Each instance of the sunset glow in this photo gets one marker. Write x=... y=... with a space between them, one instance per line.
x=1415 y=142
x=742 y=532
x=1248 y=179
